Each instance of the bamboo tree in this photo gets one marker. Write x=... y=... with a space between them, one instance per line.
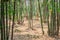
x=6 y=21
x=17 y=9
x=20 y=20
x=2 y=9
x=2 y=20
x=49 y=19
x=21 y=8
x=31 y=9
x=50 y=25
x=3 y=27
x=47 y=4
x=53 y=19
x=26 y=13
x=59 y=12
x=30 y=15
x=0 y=15
x=57 y=17
x=9 y=19
x=40 y=16
x=13 y=21
x=45 y=11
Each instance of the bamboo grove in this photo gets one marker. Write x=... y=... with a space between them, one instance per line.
x=17 y=10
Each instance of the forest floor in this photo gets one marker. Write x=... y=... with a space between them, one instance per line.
x=23 y=32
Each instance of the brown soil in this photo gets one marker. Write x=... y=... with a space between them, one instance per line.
x=23 y=32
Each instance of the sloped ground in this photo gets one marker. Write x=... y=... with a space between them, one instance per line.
x=23 y=32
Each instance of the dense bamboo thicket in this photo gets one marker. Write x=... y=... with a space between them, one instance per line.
x=46 y=11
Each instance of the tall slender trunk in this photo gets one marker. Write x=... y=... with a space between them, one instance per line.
x=6 y=22
x=30 y=16
x=21 y=8
x=57 y=18
x=45 y=11
x=9 y=21
x=40 y=16
x=2 y=20
x=48 y=16
x=13 y=21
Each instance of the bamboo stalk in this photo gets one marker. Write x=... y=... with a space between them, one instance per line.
x=40 y=16
x=48 y=17
x=57 y=18
x=9 y=21
x=2 y=20
x=13 y=21
x=53 y=19
x=30 y=20
x=6 y=21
